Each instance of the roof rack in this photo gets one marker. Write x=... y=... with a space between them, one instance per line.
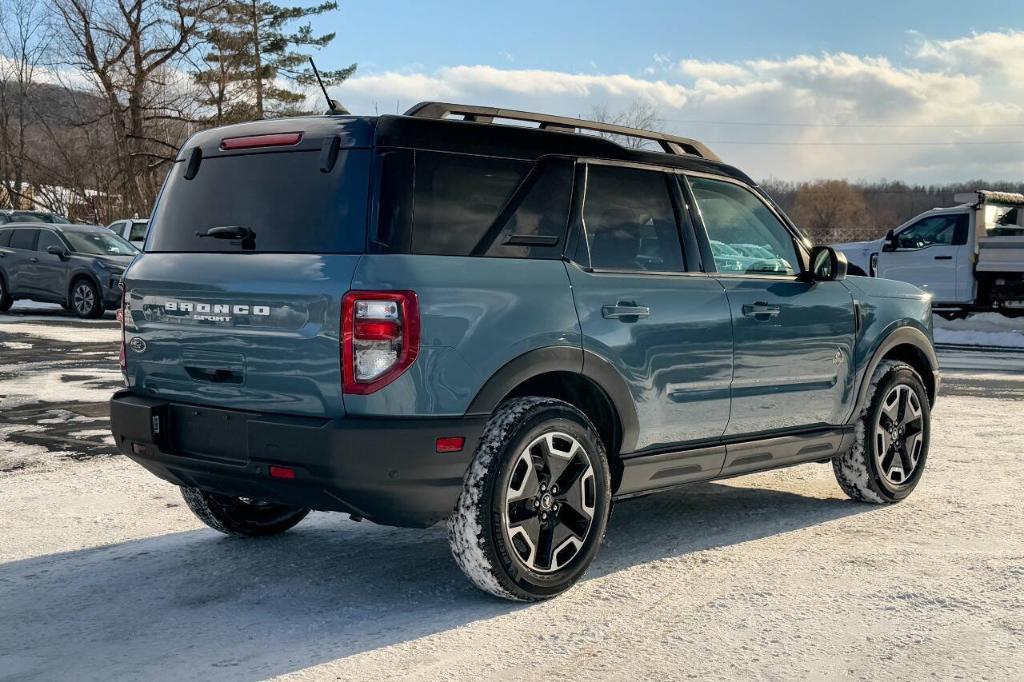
x=671 y=144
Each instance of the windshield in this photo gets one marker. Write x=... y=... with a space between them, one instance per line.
x=38 y=217
x=100 y=243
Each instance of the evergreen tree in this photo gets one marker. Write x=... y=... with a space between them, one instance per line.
x=256 y=67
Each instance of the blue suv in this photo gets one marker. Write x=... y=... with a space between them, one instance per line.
x=441 y=316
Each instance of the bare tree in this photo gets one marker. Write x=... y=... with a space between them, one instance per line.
x=24 y=43
x=640 y=114
x=132 y=51
x=826 y=207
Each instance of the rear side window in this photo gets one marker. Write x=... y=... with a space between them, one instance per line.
x=457 y=197
x=138 y=232
x=630 y=222
x=23 y=239
x=283 y=198
x=5 y=237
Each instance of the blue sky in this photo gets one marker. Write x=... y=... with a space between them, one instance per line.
x=623 y=36
x=922 y=91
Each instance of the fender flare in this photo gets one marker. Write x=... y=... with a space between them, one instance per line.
x=902 y=336
x=562 y=359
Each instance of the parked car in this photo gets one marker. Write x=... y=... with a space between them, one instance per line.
x=78 y=266
x=13 y=215
x=131 y=229
x=416 y=318
x=969 y=257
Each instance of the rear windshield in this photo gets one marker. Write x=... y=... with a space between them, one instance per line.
x=283 y=199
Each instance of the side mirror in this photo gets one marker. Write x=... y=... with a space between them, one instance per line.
x=827 y=264
x=890 y=241
x=57 y=251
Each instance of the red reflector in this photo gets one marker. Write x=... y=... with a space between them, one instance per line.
x=254 y=141
x=384 y=330
x=282 y=472
x=450 y=444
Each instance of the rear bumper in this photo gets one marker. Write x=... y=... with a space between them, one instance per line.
x=386 y=470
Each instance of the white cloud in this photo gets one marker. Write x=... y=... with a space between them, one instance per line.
x=881 y=111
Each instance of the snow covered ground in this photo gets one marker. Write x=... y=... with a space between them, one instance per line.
x=986 y=329
x=104 y=574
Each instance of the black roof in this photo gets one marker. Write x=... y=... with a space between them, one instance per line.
x=445 y=134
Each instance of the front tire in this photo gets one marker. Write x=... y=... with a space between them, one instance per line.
x=240 y=516
x=892 y=434
x=535 y=501
x=85 y=300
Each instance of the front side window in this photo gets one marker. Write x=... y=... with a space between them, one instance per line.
x=944 y=230
x=745 y=236
x=23 y=239
x=629 y=221
x=46 y=240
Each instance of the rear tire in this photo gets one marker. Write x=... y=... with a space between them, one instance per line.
x=891 y=448
x=5 y=299
x=85 y=299
x=535 y=501
x=238 y=516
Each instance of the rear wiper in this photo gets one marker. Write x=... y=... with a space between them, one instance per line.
x=247 y=236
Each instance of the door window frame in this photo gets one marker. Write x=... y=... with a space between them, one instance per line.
x=577 y=248
x=35 y=238
x=800 y=246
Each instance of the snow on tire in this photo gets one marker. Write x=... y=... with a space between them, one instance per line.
x=891 y=438
x=514 y=532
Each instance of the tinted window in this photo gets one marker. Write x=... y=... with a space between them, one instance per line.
x=936 y=229
x=629 y=219
x=46 y=240
x=5 y=237
x=745 y=235
x=457 y=197
x=283 y=198
x=23 y=239
x=534 y=221
x=138 y=232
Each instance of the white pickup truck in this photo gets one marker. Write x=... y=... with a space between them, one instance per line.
x=131 y=229
x=970 y=257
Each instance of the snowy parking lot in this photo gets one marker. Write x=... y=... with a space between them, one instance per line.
x=105 y=574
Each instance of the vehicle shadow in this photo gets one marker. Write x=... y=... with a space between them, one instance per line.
x=197 y=604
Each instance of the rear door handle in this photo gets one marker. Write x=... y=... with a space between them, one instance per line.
x=760 y=310
x=33 y=259
x=624 y=309
x=943 y=258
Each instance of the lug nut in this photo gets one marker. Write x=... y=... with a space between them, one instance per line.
x=536 y=503
x=543 y=487
x=554 y=490
x=544 y=516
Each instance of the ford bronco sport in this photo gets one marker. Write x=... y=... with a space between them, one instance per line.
x=439 y=316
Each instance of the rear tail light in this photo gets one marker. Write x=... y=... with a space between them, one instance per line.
x=380 y=338
x=122 y=358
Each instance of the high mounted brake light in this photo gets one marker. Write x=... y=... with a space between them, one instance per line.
x=256 y=141
x=380 y=338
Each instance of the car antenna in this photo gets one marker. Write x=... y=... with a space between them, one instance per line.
x=333 y=107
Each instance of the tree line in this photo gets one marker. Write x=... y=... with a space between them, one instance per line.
x=832 y=211
x=97 y=96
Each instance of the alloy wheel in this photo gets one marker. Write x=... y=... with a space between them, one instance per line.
x=548 y=509
x=899 y=432
x=83 y=298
